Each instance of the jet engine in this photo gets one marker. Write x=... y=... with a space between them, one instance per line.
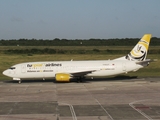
x=62 y=77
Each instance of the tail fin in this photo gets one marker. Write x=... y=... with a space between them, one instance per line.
x=139 y=52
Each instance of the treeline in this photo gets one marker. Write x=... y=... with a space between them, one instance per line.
x=32 y=51
x=60 y=51
x=64 y=42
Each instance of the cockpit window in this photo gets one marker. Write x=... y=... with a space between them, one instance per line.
x=12 y=68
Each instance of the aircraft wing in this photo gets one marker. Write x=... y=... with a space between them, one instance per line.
x=83 y=73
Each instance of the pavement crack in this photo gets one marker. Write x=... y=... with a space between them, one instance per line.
x=10 y=111
x=99 y=118
x=57 y=112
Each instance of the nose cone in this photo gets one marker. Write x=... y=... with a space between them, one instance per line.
x=6 y=72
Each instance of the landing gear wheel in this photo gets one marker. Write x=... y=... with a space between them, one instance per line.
x=79 y=79
x=19 y=81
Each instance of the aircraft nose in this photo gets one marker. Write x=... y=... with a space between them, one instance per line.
x=6 y=72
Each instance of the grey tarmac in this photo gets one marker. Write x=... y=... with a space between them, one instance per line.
x=99 y=99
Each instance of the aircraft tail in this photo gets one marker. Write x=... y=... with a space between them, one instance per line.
x=139 y=52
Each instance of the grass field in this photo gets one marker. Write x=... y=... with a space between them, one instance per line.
x=7 y=60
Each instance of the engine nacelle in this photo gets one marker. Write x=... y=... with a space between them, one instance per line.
x=62 y=77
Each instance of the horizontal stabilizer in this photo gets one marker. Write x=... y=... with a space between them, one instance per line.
x=147 y=61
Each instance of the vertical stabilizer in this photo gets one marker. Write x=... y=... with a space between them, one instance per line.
x=139 y=52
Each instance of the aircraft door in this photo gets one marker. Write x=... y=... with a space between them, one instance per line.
x=23 y=68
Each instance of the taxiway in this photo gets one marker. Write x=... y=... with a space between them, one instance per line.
x=129 y=99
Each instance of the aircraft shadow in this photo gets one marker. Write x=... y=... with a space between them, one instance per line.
x=115 y=78
x=87 y=80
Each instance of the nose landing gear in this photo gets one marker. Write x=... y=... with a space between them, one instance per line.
x=19 y=81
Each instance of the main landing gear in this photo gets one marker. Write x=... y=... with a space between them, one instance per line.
x=80 y=79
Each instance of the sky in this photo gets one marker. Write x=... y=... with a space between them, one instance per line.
x=78 y=19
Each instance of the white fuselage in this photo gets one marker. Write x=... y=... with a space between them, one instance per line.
x=48 y=70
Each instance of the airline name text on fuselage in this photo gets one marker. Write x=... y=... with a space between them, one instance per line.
x=46 y=65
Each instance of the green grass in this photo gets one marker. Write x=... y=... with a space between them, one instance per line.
x=7 y=60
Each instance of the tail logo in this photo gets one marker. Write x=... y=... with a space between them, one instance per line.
x=139 y=52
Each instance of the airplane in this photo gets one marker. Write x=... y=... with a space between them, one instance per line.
x=64 y=71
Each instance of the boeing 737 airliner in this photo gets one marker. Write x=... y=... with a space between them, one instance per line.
x=64 y=71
